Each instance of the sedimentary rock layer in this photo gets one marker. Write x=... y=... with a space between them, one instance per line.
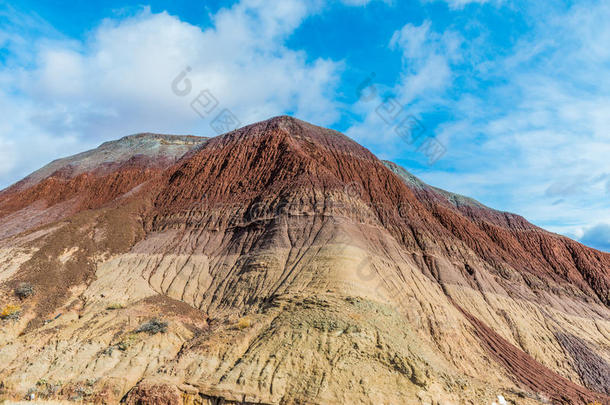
x=288 y=265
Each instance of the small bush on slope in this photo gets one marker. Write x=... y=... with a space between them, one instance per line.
x=24 y=290
x=153 y=326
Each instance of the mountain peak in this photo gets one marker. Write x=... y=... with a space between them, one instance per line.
x=137 y=140
x=281 y=262
x=158 y=149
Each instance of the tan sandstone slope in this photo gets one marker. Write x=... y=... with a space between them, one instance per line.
x=283 y=263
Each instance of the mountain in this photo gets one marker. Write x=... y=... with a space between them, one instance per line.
x=283 y=263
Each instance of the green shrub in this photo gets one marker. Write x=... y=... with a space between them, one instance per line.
x=24 y=290
x=126 y=342
x=153 y=327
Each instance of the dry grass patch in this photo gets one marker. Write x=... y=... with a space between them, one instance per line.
x=244 y=323
x=10 y=311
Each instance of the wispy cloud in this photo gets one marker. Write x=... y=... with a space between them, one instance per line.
x=460 y=4
x=426 y=75
x=527 y=130
x=427 y=59
x=75 y=94
x=598 y=237
x=540 y=135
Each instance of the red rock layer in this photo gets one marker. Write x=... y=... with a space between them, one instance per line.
x=275 y=159
x=285 y=160
x=84 y=191
x=529 y=372
x=503 y=238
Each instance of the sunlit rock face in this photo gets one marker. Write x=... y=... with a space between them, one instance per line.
x=284 y=263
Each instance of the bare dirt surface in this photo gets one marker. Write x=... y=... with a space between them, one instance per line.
x=283 y=263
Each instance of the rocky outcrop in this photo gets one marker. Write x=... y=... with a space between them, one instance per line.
x=288 y=265
x=154 y=394
x=89 y=180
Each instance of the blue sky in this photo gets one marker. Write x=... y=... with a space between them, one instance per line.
x=516 y=92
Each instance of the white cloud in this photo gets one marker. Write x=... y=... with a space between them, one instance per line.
x=426 y=75
x=427 y=57
x=411 y=40
x=7 y=155
x=598 y=237
x=118 y=81
x=460 y=4
x=534 y=142
x=362 y=2
x=537 y=142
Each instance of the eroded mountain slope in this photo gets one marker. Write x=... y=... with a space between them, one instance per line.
x=292 y=266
